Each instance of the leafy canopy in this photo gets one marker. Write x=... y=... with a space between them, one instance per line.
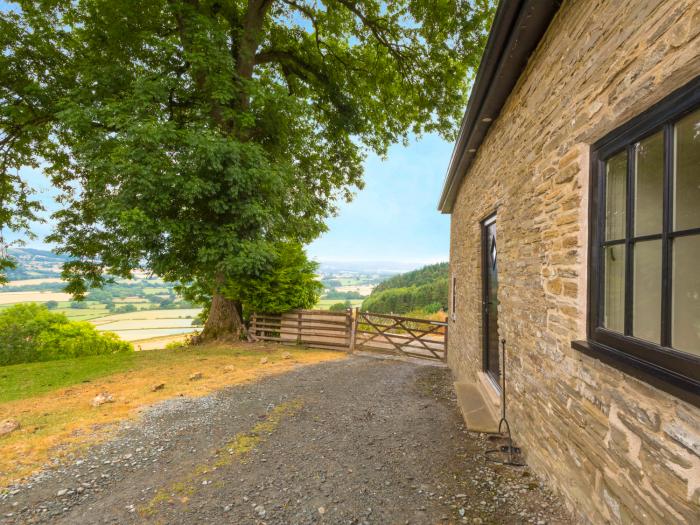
x=189 y=137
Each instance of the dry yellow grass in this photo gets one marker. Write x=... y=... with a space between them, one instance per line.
x=61 y=422
x=156 y=343
x=32 y=297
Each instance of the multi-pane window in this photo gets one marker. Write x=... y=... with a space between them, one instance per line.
x=645 y=273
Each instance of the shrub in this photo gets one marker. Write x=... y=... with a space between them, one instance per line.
x=32 y=333
x=340 y=307
x=79 y=305
x=125 y=309
x=51 y=305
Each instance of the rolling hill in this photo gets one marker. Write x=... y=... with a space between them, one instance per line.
x=421 y=291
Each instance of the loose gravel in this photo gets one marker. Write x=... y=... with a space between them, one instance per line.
x=359 y=441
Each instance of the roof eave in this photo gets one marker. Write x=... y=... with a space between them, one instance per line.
x=517 y=29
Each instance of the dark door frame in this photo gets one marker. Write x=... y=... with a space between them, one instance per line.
x=488 y=221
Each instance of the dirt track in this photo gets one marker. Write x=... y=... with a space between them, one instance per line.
x=356 y=441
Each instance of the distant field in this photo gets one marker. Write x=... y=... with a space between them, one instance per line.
x=132 y=299
x=32 y=297
x=154 y=314
x=146 y=334
x=148 y=324
x=325 y=304
x=40 y=280
x=83 y=315
x=362 y=289
x=137 y=326
x=349 y=281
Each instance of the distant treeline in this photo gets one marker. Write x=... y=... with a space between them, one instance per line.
x=424 y=290
x=334 y=294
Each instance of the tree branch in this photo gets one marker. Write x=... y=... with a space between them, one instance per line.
x=373 y=26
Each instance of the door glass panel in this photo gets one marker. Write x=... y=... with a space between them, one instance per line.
x=490 y=258
x=646 y=290
x=649 y=185
x=615 y=196
x=686 y=182
x=685 y=333
x=614 y=293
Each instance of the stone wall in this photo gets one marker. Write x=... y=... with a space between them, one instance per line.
x=618 y=449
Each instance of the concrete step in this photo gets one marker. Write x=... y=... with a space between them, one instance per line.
x=475 y=411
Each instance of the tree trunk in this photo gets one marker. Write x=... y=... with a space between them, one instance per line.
x=224 y=321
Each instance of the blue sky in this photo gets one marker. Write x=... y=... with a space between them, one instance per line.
x=393 y=219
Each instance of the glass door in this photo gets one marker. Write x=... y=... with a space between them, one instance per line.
x=492 y=364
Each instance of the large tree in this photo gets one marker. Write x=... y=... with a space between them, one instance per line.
x=189 y=137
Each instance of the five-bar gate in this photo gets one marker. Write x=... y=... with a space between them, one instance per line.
x=355 y=330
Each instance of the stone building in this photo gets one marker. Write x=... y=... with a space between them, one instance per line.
x=574 y=194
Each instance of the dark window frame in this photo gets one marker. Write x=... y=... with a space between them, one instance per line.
x=659 y=364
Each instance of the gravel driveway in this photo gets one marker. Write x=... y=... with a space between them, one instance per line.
x=357 y=441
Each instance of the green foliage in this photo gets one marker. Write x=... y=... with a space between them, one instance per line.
x=340 y=307
x=287 y=282
x=282 y=282
x=32 y=333
x=334 y=294
x=100 y=296
x=167 y=303
x=125 y=308
x=200 y=134
x=424 y=275
x=426 y=289
x=79 y=305
x=51 y=305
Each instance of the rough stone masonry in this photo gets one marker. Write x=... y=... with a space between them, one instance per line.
x=618 y=449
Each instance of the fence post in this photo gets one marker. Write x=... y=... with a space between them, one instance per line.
x=447 y=326
x=254 y=326
x=299 y=327
x=353 y=327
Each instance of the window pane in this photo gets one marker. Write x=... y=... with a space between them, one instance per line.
x=687 y=173
x=615 y=196
x=649 y=185
x=646 y=291
x=686 y=294
x=614 y=292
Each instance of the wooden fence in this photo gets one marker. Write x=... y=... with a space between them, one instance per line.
x=317 y=328
x=355 y=330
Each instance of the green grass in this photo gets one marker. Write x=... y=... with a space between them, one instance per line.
x=76 y=314
x=31 y=379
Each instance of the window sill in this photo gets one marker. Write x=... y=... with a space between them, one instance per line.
x=681 y=387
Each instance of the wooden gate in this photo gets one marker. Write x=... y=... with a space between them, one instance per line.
x=354 y=330
x=317 y=328
x=405 y=336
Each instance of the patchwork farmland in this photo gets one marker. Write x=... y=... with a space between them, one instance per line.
x=146 y=324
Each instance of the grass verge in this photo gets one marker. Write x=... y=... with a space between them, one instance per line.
x=52 y=400
x=235 y=450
